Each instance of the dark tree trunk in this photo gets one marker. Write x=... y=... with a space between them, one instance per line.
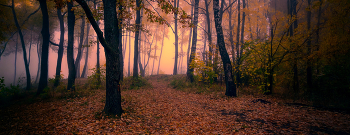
x=161 y=51
x=79 y=55
x=230 y=85
x=113 y=96
x=136 y=43
x=28 y=77
x=45 y=47
x=60 y=48
x=194 y=42
x=176 y=4
x=70 y=51
x=85 y=69
x=120 y=29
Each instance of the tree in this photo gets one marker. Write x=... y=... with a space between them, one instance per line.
x=194 y=42
x=60 y=45
x=136 y=42
x=230 y=85
x=70 y=55
x=45 y=47
x=79 y=55
x=176 y=5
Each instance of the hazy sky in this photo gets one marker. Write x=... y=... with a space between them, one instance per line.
x=167 y=61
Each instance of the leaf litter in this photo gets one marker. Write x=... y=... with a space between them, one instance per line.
x=163 y=110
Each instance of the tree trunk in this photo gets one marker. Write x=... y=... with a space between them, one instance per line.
x=209 y=32
x=98 y=68
x=161 y=50
x=39 y=56
x=238 y=75
x=60 y=48
x=120 y=29
x=45 y=47
x=79 y=55
x=28 y=77
x=194 y=42
x=136 y=43
x=85 y=69
x=110 y=43
x=155 y=51
x=129 y=54
x=15 y=74
x=190 y=36
x=70 y=51
x=230 y=85
x=176 y=4
x=113 y=96
x=231 y=33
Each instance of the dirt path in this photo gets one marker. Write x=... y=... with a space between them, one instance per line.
x=161 y=110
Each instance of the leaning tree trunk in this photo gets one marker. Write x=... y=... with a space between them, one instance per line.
x=230 y=85
x=45 y=47
x=194 y=42
x=60 y=48
x=28 y=77
x=70 y=51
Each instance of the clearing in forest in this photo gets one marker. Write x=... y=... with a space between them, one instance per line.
x=161 y=110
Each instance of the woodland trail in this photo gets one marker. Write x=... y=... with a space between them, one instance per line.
x=163 y=110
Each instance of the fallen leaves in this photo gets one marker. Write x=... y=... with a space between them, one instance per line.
x=162 y=110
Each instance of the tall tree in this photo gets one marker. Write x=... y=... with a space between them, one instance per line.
x=45 y=47
x=238 y=78
x=60 y=45
x=84 y=73
x=230 y=85
x=79 y=55
x=70 y=55
x=136 y=42
x=190 y=36
x=176 y=4
x=110 y=43
x=194 y=42
x=26 y=65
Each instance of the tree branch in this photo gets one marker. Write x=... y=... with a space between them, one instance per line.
x=5 y=5
x=53 y=43
x=229 y=6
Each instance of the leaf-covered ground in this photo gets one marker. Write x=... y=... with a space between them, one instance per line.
x=161 y=110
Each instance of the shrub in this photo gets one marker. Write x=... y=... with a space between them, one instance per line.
x=96 y=79
x=134 y=83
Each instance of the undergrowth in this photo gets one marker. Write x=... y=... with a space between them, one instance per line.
x=129 y=83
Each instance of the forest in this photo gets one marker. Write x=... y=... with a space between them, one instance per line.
x=175 y=67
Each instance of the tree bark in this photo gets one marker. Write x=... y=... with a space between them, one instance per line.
x=238 y=78
x=60 y=48
x=209 y=32
x=79 y=55
x=45 y=47
x=231 y=33
x=28 y=77
x=176 y=4
x=113 y=95
x=190 y=36
x=136 y=43
x=70 y=51
x=194 y=42
x=230 y=85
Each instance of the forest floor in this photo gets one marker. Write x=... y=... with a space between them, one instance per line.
x=163 y=110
